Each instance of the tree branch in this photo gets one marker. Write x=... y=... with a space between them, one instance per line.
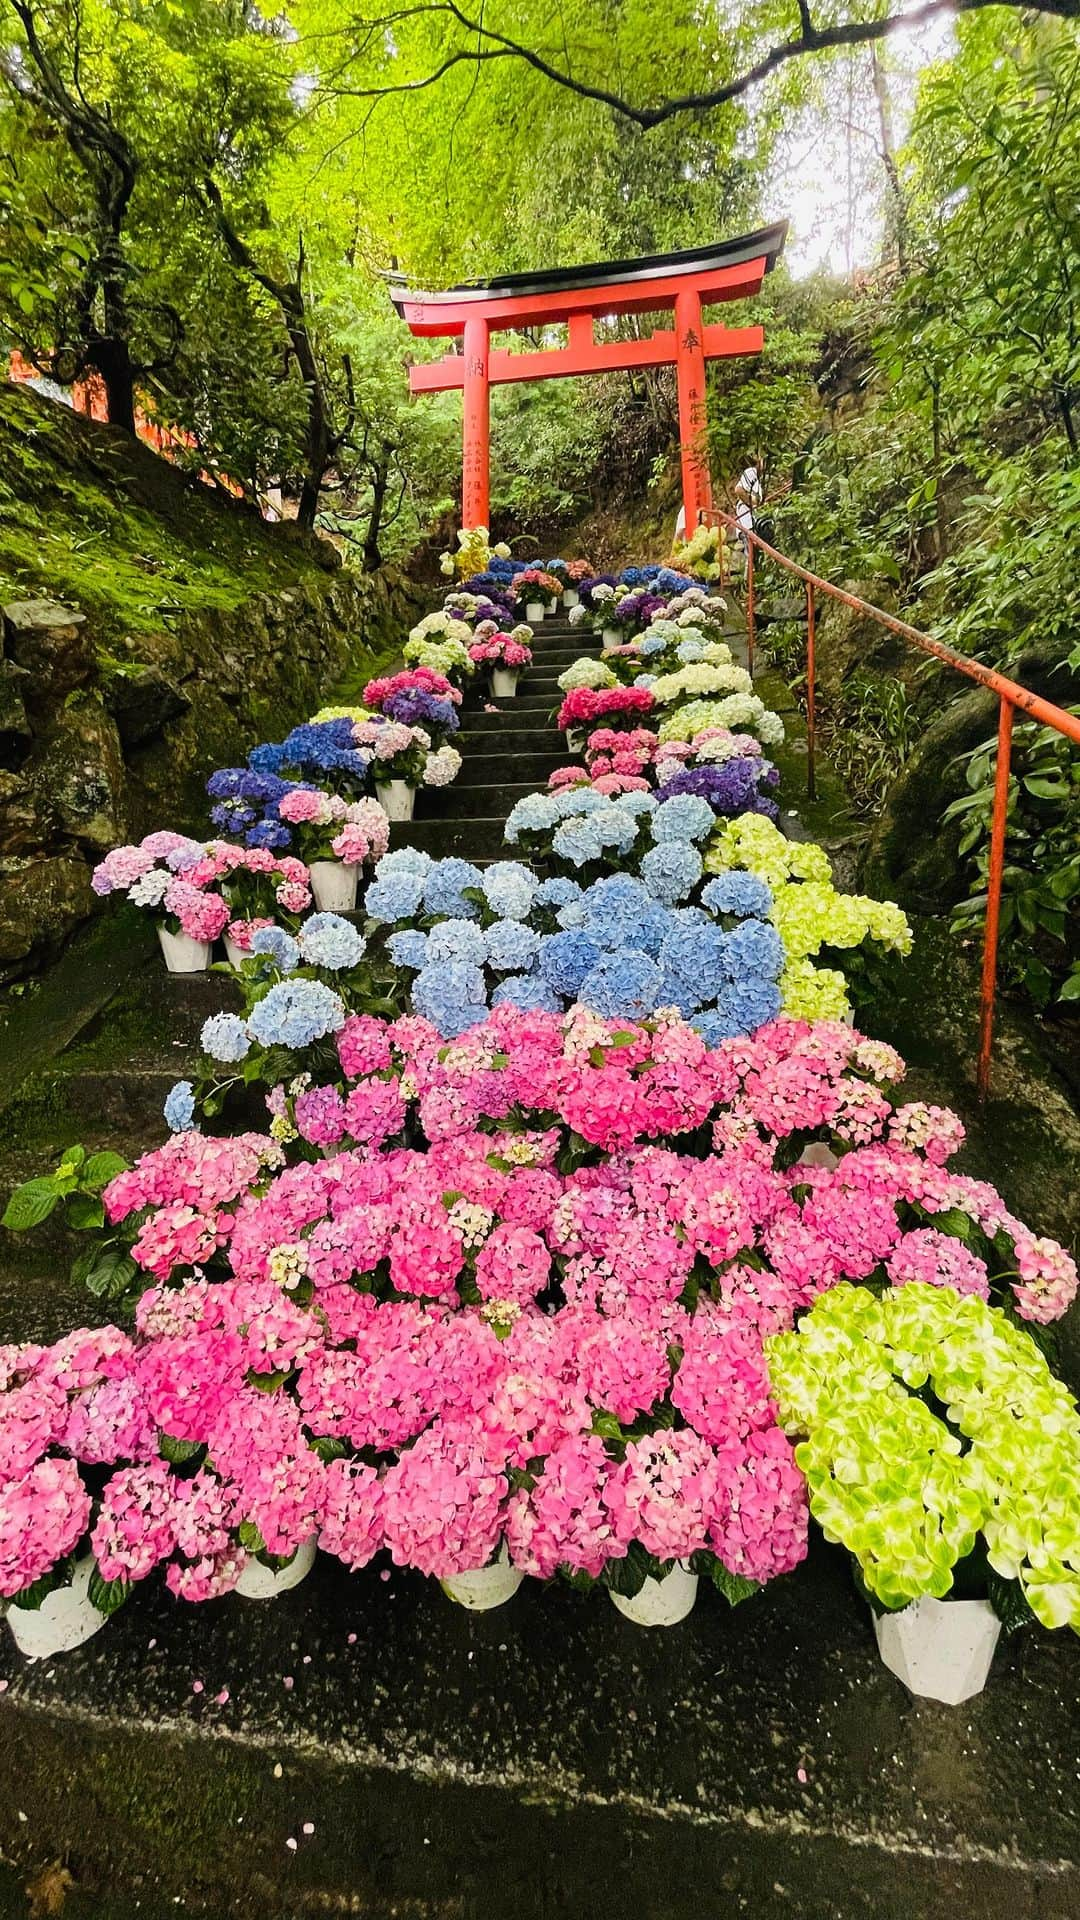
x=810 y=39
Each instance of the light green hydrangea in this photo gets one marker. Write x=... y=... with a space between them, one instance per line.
x=700 y=680
x=450 y=657
x=587 y=673
x=908 y=1489
x=742 y=712
x=814 y=993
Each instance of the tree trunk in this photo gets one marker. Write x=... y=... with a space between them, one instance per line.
x=112 y=361
x=899 y=219
x=372 y=552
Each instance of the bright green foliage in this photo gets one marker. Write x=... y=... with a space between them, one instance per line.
x=1040 y=904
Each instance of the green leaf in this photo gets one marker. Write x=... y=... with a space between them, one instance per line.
x=628 y=1575
x=733 y=1586
x=106 y=1272
x=1009 y=1601
x=30 y=1204
x=101 y=1168
x=177 y=1452
x=84 y=1210
x=267 y=1382
x=250 y=1538
x=107 y=1595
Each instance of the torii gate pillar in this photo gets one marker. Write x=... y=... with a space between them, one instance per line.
x=578 y=297
x=476 y=426
x=690 y=379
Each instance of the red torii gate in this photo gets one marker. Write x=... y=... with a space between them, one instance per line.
x=682 y=282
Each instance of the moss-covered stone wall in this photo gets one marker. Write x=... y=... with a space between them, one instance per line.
x=153 y=628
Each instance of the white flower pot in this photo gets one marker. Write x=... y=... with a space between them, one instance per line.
x=182 y=953
x=259 y=1582
x=534 y=612
x=66 y=1617
x=940 y=1649
x=234 y=954
x=484 y=1587
x=611 y=637
x=333 y=885
x=661 y=1603
x=397 y=799
x=504 y=682
x=571 y=597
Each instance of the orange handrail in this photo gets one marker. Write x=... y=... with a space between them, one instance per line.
x=1011 y=695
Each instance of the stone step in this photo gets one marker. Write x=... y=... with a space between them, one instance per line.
x=488 y=801
x=499 y=739
x=537 y=704
x=540 y=680
x=477 y=839
x=467 y=1766
x=514 y=716
x=505 y=769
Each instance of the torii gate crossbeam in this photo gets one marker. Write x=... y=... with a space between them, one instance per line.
x=682 y=283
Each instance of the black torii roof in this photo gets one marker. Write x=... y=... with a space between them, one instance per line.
x=722 y=253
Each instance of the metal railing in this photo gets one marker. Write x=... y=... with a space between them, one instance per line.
x=1010 y=695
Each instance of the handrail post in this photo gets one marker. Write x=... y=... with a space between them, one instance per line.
x=995 y=874
x=750 y=604
x=811 y=693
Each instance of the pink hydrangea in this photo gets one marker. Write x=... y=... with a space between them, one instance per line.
x=562 y=1520
x=43 y=1516
x=444 y=1506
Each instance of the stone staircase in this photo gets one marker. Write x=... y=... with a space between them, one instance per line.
x=548 y=1761
x=505 y=755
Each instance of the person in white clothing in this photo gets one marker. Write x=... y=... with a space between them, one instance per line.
x=680 y=527
x=749 y=494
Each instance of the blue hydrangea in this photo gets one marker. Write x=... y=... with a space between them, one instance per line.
x=755 y=947
x=268 y=833
x=268 y=758
x=295 y=1013
x=408 y=948
x=452 y=995
x=688 y=651
x=444 y=889
x=622 y=986
x=511 y=946
x=328 y=940
x=645 y=680
x=578 y=842
x=457 y=940
x=180 y=1107
x=509 y=889
x=637 y=803
x=651 y=643
x=559 y=892
x=529 y=991
x=565 y=959
x=393 y=896
x=573 y=802
x=741 y=893
x=671 y=870
x=619 y=912
x=686 y=816
x=278 y=945
x=533 y=814
x=405 y=860
x=714 y=1027
x=224 y=1037
x=694 y=955
x=746 y=1005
